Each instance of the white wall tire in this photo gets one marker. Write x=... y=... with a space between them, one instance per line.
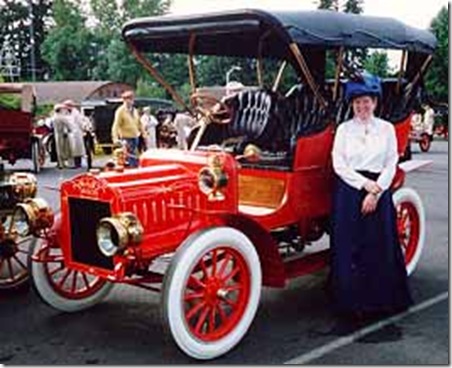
x=55 y=284
x=410 y=225
x=211 y=315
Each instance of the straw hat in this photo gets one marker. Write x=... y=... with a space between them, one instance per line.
x=70 y=103
x=58 y=107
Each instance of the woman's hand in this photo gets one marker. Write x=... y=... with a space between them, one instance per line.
x=372 y=187
x=369 y=204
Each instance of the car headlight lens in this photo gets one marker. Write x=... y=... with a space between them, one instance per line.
x=206 y=180
x=31 y=216
x=107 y=239
x=21 y=222
x=212 y=179
x=115 y=233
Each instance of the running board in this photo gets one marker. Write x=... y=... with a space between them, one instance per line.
x=307 y=264
x=412 y=165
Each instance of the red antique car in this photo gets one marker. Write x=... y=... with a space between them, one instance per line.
x=210 y=226
x=18 y=138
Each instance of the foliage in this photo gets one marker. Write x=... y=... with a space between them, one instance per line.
x=377 y=63
x=355 y=56
x=354 y=6
x=89 y=46
x=149 y=88
x=437 y=80
x=114 y=60
x=9 y=101
x=68 y=49
x=43 y=110
x=15 y=19
x=328 y=4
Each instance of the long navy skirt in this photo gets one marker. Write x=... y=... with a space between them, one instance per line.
x=367 y=266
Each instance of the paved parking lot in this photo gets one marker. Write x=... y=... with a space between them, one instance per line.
x=289 y=327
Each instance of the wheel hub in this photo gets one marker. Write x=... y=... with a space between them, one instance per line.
x=213 y=291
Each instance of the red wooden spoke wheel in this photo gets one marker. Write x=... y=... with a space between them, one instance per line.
x=216 y=294
x=64 y=288
x=13 y=262
x=211 y=292
x=425 y=142
x=410 y=225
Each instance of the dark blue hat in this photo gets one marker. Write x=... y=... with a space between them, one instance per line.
x=367 y=85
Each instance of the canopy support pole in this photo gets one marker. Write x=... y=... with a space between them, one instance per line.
x=259 y=72
x=305 y=69
x=418 y=74
x=191 y=64
x=401 y=69
x=279 y=76
x=147 y=65
x=340 y=60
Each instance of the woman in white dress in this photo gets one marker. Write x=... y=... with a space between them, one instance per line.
x=149 y=126
x=368 y=270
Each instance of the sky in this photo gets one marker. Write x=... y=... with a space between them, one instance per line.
x=417 y=13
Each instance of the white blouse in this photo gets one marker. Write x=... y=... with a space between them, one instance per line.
x=368 y=146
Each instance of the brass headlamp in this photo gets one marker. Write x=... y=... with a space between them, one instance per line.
x=25 y=185
x=212 y=178
x=31 y=216
x=115 y=233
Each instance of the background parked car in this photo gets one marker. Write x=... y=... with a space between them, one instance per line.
x=18 y=138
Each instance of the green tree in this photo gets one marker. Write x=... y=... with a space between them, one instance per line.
x=354 y=6
x=328 y=5
x=377 y=63
x=437 y=81
x=42 y=15
x=15 y=20
x=68 y=49
x=114 y=60
x=355 y=56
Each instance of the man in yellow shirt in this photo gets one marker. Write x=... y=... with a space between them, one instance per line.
x=127 y=127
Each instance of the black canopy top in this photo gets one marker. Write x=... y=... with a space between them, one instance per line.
x=237 y=33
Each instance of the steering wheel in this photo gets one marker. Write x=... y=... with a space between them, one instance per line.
x=218 y=112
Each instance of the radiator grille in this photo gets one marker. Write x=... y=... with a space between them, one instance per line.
x=84 y=215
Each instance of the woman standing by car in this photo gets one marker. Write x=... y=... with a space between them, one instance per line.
x=368 y=270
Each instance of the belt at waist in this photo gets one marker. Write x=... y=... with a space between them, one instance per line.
x=369 y=174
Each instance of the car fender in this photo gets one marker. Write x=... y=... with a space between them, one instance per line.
x=273 y=273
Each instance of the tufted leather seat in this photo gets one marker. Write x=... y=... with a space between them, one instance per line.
x=253 y=116
x=303 y=113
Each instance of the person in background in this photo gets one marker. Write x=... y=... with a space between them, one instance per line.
x=368 y=275
x=149 y=126
x=183 y=122
x=61 y=131
x=416 y=120
x=77 y=133
x=127 y=127
x=428 y=120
